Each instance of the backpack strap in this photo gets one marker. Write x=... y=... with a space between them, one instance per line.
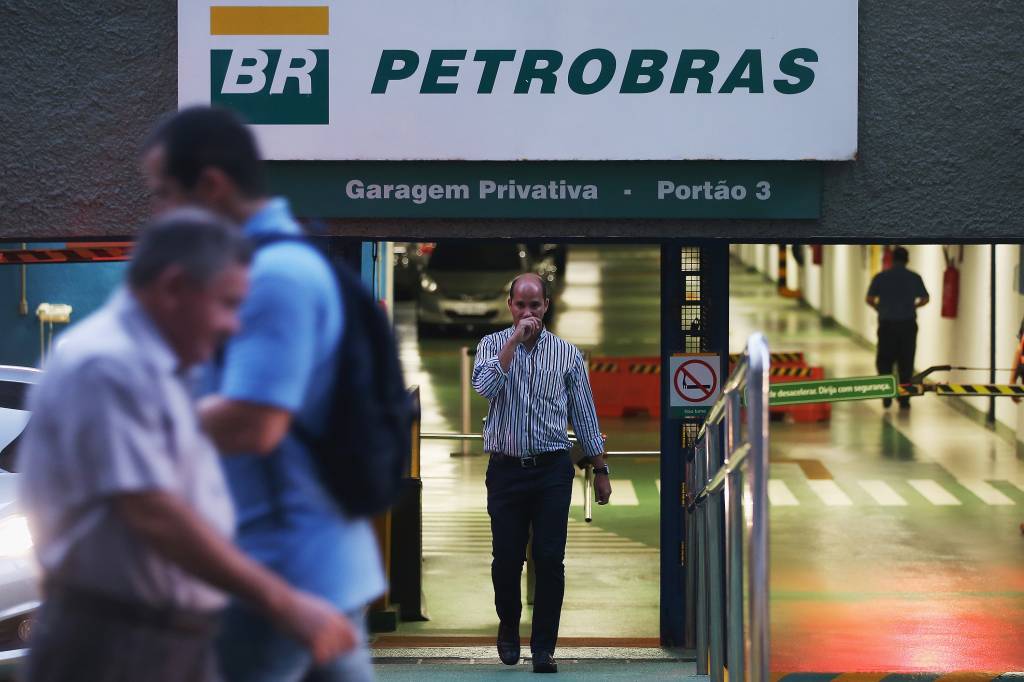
x=260 y=241
x=303 y=434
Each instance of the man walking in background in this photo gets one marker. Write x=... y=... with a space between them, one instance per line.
x=131 y=515
x=896 y=294
x=276 y=372
x=536 y=383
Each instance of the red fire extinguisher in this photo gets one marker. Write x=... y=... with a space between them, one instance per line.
x=816 y=253
x=951 y=283
x=887 y=257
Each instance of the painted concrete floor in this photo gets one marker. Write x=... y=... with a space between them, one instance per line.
x=903 y=553
x=588 y=671
x=897 y=549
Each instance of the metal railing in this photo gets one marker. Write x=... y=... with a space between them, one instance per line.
x=730 y=472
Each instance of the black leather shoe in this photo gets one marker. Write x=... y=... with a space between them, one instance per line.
x=508 y=644
x=543 y=662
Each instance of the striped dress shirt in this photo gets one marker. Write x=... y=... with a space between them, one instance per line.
x=532 y=403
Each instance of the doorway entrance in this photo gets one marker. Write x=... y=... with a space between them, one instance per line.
x=606 y=301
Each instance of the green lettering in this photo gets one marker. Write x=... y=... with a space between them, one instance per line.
x=746 y=74
x=492 y=60
x=531 y=70
x=604 y=76
x=687 y=68
x=789 y=66
x=646 y=64
x=437 y=69
x=387 y=70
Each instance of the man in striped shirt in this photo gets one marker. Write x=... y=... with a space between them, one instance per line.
x=536 y=383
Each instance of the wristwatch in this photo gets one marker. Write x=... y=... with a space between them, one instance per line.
x=602 y=470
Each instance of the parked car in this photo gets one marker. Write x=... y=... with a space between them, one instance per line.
x=409 y=260
x=19 y=572
x=464 y=285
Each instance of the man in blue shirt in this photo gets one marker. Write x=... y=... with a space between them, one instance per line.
x=536 y=383
x=896 y=294
x=277 y=370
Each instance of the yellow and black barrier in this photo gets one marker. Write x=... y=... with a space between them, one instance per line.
x=796 y=372
x=874 y=387
x=964 y=390
x=796 y=358
x=604 y=367
x=73 y=252
x=990 y=390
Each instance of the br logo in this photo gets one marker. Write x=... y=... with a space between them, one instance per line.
x=281 y=86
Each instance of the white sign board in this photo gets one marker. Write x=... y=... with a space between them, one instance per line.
x=695 y=383
x=529 y=79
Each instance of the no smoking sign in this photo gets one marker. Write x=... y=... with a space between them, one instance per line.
x=696 y=385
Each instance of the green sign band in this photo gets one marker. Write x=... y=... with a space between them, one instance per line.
x=566 y=189
x=688 y=412
x=832 y=390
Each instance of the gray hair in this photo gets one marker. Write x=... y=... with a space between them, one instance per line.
x=194 y=239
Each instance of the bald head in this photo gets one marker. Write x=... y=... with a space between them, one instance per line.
x=530 y=281
x=528 y=297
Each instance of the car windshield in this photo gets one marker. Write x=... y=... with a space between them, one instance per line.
x=12 y=420
x=475 y=258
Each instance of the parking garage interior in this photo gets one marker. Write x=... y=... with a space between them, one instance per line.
x=894 y=532
x=606 y=301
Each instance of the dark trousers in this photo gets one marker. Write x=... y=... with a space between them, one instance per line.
x=897 y=343
x=520 y=500
x=81 y=636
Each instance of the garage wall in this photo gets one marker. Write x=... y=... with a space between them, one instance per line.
x=83 y=286
x=940 y=131
x=837 y=289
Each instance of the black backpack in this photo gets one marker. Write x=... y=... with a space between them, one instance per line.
x=363 y=454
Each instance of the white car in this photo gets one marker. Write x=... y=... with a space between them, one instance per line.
x=465 y=286
x=19 y=572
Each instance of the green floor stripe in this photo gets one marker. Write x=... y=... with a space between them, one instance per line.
x=807 y=677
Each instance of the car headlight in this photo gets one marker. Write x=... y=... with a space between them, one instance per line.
x=428 y=284
x=15 y=537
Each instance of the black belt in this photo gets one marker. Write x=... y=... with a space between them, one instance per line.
x=530 y=462
x=62 y=596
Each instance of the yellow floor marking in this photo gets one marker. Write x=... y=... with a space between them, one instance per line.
x=813 y=468
x=934 y=493
x=577 y=492
x=779 y=494
x=882 y=493
x=987 y=493
x=830 y=493
x=624 y=494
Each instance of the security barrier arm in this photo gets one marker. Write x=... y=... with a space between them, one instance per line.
x=918 y=386
x=920 y=376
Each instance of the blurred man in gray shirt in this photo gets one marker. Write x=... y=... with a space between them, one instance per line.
x=129 y=510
